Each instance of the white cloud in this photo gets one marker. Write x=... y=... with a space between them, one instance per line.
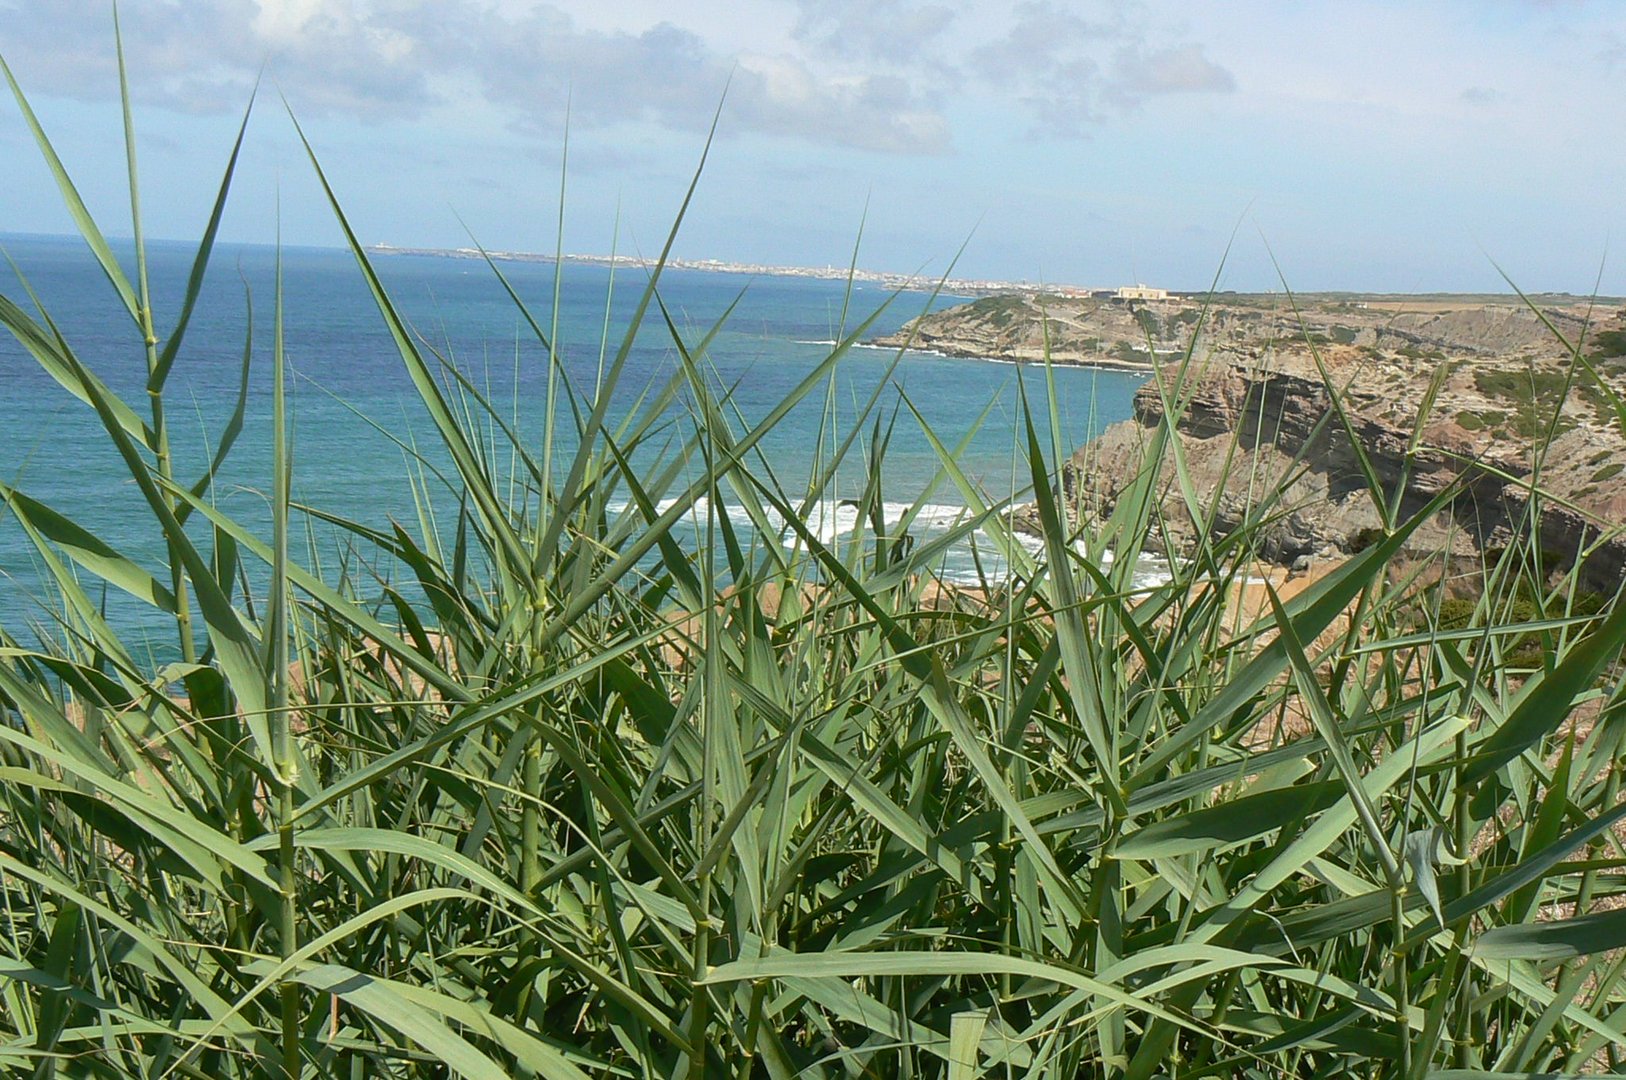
x=885 y=30
x=875 y=75
x=204 y=55
x=1138 y=74
x=1074 y=71
x=284 y=21
x=377 y=59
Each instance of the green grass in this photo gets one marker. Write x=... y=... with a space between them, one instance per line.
x=1131 y=354
x=1536 y=393
x=1002 y=310
x=552 y=796
x=1608 y=344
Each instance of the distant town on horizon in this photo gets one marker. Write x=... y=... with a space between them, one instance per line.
x=956 y=286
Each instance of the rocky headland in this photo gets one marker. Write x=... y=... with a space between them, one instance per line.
x=1476 y=394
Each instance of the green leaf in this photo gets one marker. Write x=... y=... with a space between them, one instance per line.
x=1309 y=613
x=1560 y=940
x=54 y=357
x=965 y=1033
x=200 y=265
x=1234 y=821
x=74 y=204
x=1491 y=1074
x=867 y=965
x=395 y=842
x=386 y=1002
x=1549 y=698
x=1424 y=850
x=87 y=550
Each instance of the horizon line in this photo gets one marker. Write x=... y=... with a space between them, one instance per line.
x=830 y=272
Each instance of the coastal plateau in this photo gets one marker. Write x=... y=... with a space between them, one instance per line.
x=1487 y=396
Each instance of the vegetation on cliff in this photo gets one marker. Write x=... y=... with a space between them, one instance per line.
x=1069 y=329
x=555 y=794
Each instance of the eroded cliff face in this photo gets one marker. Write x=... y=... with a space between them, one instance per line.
x=1249 y=428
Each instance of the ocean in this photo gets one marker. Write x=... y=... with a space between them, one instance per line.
x=354 y=410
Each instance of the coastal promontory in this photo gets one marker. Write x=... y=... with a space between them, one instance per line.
x=1512 y=405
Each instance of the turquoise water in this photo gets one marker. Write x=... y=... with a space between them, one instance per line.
x=343 y=363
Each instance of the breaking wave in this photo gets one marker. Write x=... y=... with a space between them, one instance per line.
x=967 y=562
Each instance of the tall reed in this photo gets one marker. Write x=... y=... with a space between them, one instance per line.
x=574 y=790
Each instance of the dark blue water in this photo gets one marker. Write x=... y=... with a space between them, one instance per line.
x=353 y=405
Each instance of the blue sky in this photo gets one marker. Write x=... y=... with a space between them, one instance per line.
x=1368 y=146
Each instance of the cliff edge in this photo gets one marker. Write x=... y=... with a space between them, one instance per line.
x=1249 y=425
x=1143 y=333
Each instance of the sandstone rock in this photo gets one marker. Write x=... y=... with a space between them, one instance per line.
x=1257 y=434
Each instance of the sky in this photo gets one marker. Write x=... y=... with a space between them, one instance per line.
x=1398 y=147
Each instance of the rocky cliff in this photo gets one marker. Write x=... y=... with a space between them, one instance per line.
x=1248 y=424
x=1507 y=411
